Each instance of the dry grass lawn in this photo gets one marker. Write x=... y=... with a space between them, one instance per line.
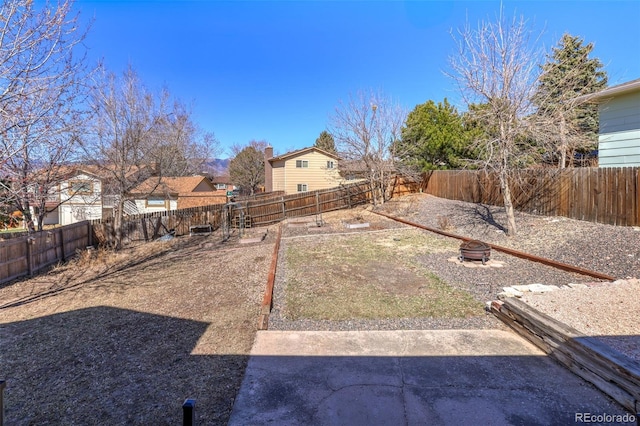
x=369 y=275
x=125 y=338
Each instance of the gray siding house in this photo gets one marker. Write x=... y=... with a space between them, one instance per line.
x=619 y=134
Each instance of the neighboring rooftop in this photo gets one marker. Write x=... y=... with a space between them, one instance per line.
x=620 y=89
x=303 y=151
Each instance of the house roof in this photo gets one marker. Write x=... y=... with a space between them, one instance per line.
x=66 y=172
x=172 y=185
x=221 y=179
x=610 y=92
x=100 y=172
x=303 y=151
x=196 y=199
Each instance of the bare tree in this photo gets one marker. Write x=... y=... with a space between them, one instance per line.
x=366 y=129
x=246 y=168
x=183 y=148
x=127 y=128
x=495 y=66
x=41 y=77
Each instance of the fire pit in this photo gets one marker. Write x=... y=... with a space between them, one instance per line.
x=475 y=250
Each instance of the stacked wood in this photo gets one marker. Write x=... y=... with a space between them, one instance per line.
x=613 y=373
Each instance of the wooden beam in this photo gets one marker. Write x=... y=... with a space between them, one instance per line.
x=611 y=372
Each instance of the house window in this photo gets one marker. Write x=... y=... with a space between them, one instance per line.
x=80 y=187
x=221 y=186
x=155 y=202
x=302 y=187
x=330 y=164
x=302 y=164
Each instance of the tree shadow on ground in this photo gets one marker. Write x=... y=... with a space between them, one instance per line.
x=486 y=215
x=479 y=214
x=105 y=365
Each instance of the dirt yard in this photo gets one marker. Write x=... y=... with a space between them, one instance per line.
x=126 y=339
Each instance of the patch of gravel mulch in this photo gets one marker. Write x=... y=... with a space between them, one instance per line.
x=607 y=249
x=605 y=310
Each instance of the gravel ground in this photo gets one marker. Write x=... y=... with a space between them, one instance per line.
x=606 y=311
x=607 y=249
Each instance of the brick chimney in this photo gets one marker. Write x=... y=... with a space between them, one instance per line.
x=268 y=173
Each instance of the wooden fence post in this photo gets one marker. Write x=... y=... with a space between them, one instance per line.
x=284 y=210
x=30 y=241
x=637 y=197
x=143 y=223
x=63 y=256
x=156 y=228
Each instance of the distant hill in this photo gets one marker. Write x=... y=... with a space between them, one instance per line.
x=219 y=165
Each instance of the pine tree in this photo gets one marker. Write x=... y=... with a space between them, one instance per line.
x=570 y=124
x=325 y=142
x=434 y=137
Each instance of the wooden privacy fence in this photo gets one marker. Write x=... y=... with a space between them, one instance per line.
x=149 y=226
x=268 y=211
x=30 y=254
x=604 y=195
x=260 y=211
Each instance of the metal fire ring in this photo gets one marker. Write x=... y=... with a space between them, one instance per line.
x=475 y=250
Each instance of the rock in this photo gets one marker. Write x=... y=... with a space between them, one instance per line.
x=512 y=292
x=575 y=285
x=522 y=288
x=535 y=288
x=541 y=288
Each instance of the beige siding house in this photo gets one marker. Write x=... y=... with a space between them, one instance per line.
x=77 y=197
x=307 y=169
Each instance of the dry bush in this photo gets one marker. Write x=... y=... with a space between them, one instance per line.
x=444 y=223
x=95 y=261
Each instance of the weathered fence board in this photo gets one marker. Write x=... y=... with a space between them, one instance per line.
x=33 y=253
x=603 y=195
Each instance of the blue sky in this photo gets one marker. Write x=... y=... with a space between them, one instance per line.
x=276 y=71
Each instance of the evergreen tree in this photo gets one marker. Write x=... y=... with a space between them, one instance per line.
x=570 y=125
x=325 y=142
x=433 y=137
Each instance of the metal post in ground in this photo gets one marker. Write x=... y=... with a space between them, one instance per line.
x=3 y=384
x=189 y=412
